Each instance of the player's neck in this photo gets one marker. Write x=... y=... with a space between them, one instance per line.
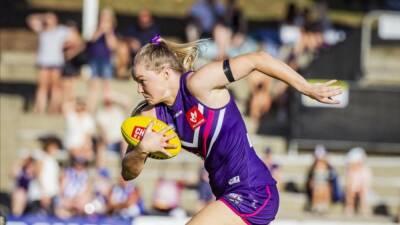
x=172 y=93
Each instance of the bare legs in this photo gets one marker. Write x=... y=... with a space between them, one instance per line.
x=216 y=213
x=49 y=83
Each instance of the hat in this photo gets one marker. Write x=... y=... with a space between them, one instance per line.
x=356 y=154
x=320 y=151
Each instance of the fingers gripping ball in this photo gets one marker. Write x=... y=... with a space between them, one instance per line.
x=133 y=130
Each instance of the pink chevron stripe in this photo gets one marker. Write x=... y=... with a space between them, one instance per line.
x=207 y=130
x=261 y=207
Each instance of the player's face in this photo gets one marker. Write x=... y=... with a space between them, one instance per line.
x=150 y=84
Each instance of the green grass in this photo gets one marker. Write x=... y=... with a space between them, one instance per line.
x=254 y=9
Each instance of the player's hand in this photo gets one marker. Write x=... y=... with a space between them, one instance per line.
x=156 y=141
x=323 y=92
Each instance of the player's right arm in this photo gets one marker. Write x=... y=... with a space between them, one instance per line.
x=135 y=157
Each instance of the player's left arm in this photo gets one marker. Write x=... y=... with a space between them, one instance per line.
x=211 y=79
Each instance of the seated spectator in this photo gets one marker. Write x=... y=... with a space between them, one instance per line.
x=100 y=50
x=266 y=93
x=48 y=173
x=75 y=192
x=204 y=189
x=167 y=197
x=124 y=200
x=109 y=119
x=358 y=182
x=80 y=129
x=260 y=99
x=50 y=60
x=101 y=187
x=273 y=166
x=24 y=172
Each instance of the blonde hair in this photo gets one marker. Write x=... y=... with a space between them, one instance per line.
x=180 y=57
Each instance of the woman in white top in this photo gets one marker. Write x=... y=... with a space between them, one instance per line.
x=80 y=129
x=50 y=59
x=48 y=172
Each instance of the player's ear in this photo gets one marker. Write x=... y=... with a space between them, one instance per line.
x=166 y=72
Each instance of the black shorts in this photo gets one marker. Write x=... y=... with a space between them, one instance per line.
x=71 y=69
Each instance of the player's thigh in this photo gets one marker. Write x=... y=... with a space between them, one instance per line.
x=216 y=213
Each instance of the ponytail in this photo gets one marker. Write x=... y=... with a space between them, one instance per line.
x=186 y=53
x=159 y=52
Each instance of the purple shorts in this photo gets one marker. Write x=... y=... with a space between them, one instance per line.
x=256 y=207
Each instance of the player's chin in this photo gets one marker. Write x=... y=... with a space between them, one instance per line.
x=151 y=101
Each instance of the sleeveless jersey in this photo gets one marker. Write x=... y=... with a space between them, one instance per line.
x=219 y=137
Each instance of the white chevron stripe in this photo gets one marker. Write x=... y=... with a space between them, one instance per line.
x=195 y=143
x=217 y=130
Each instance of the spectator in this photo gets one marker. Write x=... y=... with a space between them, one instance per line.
x=48 y=173
x=320 y=182
x=234 y=18
x=290 y=28
x=135 y=37
x=273 y=166
x=124 y=200
x=24 y=172
x=264 y=95
x=167 y=197
x=75 y=190
x=204 y=14
x=358 y=181
x=260 y=99
x=102 y=186
x=109 y=119
x=311 y=36
x=75 y=56
x=50 y=60
x=204 y=190
x=100 y=50
x=142 y=33
x=80 y=129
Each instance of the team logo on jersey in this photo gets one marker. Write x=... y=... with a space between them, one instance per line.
x=194 y=117
x=235 y=198
x=234 y=180
x=138 y=132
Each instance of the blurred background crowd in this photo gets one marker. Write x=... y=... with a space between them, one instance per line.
x=64 y=156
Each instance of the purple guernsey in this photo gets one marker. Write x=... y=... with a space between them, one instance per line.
x=219 y=136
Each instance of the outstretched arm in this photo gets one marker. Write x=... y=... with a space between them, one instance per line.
x=35 y=22
x=210 y=79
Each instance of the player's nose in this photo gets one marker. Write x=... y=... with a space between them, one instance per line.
x=140 y=89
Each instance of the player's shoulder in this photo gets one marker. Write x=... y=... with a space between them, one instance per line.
x=144 y=109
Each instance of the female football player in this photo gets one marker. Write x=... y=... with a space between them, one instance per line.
x=198 y=106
